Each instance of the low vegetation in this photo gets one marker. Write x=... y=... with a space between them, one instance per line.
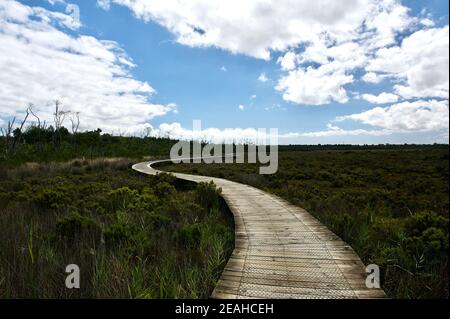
x=391 y=205
x=139 y=236
x=133 y=236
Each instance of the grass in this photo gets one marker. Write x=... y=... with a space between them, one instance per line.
x=133 y=236
x=391 y=205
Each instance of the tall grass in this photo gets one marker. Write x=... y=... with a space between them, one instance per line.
x=132 y=236
x=391 y=206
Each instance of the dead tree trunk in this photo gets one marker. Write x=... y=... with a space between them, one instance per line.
x=19 y=136
x=59 y=117
x=7 y=133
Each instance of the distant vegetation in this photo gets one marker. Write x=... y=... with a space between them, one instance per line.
x=390 y=203
x=132 y=235
x=34 y=140
x=137 y=236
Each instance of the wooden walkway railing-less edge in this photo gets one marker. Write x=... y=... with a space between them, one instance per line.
x=281 y=251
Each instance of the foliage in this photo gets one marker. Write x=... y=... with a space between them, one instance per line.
x=37 y=144
x=390 y=203
x=133 y=236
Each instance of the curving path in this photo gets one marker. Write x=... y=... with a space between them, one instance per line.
x=281 y=251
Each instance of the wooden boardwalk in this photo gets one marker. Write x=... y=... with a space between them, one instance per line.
x=281 y=251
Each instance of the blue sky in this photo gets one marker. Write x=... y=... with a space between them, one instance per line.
x=204 y=61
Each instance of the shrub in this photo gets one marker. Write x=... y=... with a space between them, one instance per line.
x=122 y=196
x=117 y=233
x=75 y=226
x=190 y=235
x=208 y=195
x=418 y=223
x=50 y=198
x=164 y=190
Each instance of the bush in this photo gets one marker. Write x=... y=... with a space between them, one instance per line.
x=207 y=195
x=117 y=233
x=164 y=190
x=420 y=222
x=190 y=235
x=50 y=198
x=76 y=226
x=121 y=197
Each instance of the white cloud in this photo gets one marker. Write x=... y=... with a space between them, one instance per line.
x=421 y=61
x=40 y=62
x=252 y=97
x=339 y=36
x=288 y=61
x=372 y=77
x=104 y=4
x=336 y=131
x=314 y=86
x=384 y=21
x=406 y=116
x=263 y=77
x=325 y=83
x=241 y=107
x=252 y=135
x=254 y=28
x=213 y=135
x=382 y=98
x=427 y=22
x=223 y=68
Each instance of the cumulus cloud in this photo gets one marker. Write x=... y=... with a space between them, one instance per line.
x=372 y=77
x=314 y=86
x=334 y=62
x=315 y=44
x=241 y=107
x=104 y=4
x=252 y=135
x=263 y=77
x=406 y=116
x=288 y=61
x=254 y=28
x=382 y=98
x=41 y=62
x=421 y=62
x=213 y=135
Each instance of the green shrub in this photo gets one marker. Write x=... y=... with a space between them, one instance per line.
x=208 y=195
x=158 y=220
x=75 y=226
x=164 y=190
x=121 y=197
x=419 y=222
x=118 y=233
x=190 y=235
x=50 y=198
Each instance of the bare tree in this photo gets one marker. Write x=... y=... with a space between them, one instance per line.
x=59 y=118
x=7 y=132
x=30 y=108
x=59 y=115
x=40 y=126
x=19 y=135
x=75 y=121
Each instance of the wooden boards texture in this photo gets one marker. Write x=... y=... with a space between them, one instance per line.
x=281 y=251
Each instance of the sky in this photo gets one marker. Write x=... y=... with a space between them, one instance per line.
x=350 y=71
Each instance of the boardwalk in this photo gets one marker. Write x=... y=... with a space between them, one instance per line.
x=281 y=251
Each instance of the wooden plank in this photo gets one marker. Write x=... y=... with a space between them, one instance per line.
x=281 y=251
